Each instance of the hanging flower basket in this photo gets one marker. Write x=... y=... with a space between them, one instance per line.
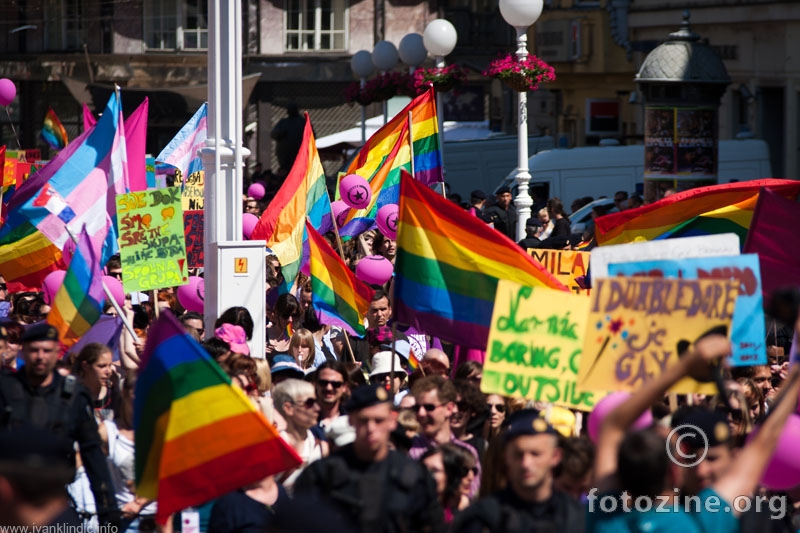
x=378 y=89
x=443 y=79
x=519 y=75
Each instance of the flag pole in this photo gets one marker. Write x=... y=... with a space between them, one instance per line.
x=394 y=344
x=411 y=143
x=439 y=135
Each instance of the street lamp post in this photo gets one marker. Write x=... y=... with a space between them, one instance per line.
x=521 y=14
x=440 y=38
x=362 y=67
x=384 y=57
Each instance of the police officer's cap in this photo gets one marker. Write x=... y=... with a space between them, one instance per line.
x=366 y=396
x=528 y=422
x=35 y=448
x=41 y=331
x=533 y=221
x=700 y=423
x=478 y=194
x=502 y=190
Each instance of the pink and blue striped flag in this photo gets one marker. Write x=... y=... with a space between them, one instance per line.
x=181 y=152
x=78 y=303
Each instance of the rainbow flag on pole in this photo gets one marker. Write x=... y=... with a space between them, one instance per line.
x=389 y=151
x=78 y=304
x=197 y=436
x=726 y=208
x=302 y=196
x=448 y=264
x=53 y=132
x=340 y=298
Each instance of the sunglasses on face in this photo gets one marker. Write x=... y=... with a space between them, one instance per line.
x=429 y=407
x=466 y=471
x=499 y=407
x=308 y=403
x=377 y=378
x=3 y=287
x=335 y=384
x=117 y=275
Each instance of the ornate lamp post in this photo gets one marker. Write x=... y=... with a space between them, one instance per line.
x=362 y=67
x=440 y=38
x=412 y=51
x=384 y=57
x=522 y=14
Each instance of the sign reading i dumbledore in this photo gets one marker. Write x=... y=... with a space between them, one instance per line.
x=535 y=343
x=635 y=325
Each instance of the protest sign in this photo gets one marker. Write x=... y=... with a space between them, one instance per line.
x=635 y=325
x=748 y=334
x=193 y=231
x=150 y=171
x=705 y=246
x=566 y=265
x=151 y=239
x=535 y=344
x=193 y=191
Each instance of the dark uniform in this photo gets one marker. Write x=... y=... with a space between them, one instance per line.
x=395 y=494
x=504 y=220
x=63 y=407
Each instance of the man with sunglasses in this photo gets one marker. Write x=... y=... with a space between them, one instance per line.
x=331 y=386
x=372 y=487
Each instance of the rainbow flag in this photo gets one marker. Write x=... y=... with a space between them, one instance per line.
x=78 y=304
x=338 y=297
x=726 y=208
x=389 y=151
x=448 y=264
x=53 y=132
x=302 y=196
x=197 y=436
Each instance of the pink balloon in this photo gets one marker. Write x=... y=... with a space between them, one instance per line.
x=355 y=191
x=189 y=295
x=256 y=190
x=608 y=404
x=374 y=269
x=339 y=212
x=249 y=221
x=8 y=91
x=386 y=219
x=52 y=282
x=115 y=288
x=783 y=470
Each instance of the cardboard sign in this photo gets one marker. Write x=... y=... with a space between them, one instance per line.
x=566 y=265
x=193 y=232
x=193 y=191
x=724 y=244
x=151 y=240
x=635 y=325
x=747 y=329
x=535 y=345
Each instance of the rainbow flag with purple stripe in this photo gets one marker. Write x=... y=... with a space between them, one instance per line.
x=78 y=303
x=53 y=132
x=197 y=436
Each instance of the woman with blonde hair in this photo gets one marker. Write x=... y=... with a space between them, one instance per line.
x=302 y=348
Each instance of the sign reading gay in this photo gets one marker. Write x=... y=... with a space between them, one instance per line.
x=635 y=324
x=151 y=240
x=535 y=346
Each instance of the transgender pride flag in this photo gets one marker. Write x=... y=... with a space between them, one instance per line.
x=79 y=189
x=181 y=152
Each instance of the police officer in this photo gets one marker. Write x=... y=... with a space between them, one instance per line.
x=502 y=214
x=374 y=488
x=39 y=396
x=529 y=502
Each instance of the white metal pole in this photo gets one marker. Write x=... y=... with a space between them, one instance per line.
x=440 y=123
x=523 y=201
x=364 y=116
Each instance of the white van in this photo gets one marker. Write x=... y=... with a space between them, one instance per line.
x=602 y=170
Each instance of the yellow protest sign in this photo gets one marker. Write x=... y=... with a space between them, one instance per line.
x=566 y=265
x=151 y=239
x=192 y=198
x=635 y=325
x=535 y=343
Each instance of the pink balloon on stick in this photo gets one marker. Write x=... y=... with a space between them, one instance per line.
x=8 y=91
x=355 y=191
x=386 y=218
x=189 y=295
x=339 y=209
x=374 y=269
x=608 y=404
x=256 y=190
x=52 y=282
x=115 y=288
x=249 y=222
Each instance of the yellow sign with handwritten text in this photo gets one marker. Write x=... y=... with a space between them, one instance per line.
x=566 y=265
x=636 y=323
x=535 y=344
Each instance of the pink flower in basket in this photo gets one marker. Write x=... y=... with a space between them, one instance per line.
x=521 y=75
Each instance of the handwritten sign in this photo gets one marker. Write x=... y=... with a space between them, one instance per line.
x=706 y=246
x=535 y=344
x=566 y=265
x=193 y=232
x=150 y=171
x=152 y=247
x=635 y=325
x=193 y=191
x=747 y=329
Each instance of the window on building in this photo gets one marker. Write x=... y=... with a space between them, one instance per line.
x=176 y=24
x=65 y=28
x=313 y=25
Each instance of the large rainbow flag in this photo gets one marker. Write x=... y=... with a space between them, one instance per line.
x=302 y=196
x=339 y=298
x=726 y=208
x=389 y=151
x=78 y=304
x=448 y=264
x=197 y=436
